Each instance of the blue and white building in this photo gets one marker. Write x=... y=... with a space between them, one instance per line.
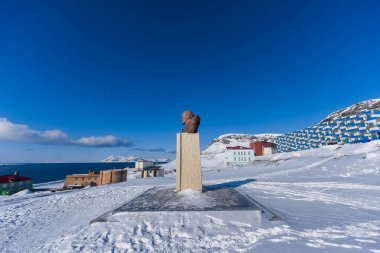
x=361 y=127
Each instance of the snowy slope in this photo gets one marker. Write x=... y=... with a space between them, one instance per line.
x=218 y=145
x=121 y=158
x=361 y=106
x=133 y=159
x=213 y=154
x=328 y=198
x=161 y=160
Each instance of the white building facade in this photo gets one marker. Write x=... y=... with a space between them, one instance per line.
x=143 y=164
x=239 y=154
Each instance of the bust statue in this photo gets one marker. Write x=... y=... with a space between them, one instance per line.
x=191 y=122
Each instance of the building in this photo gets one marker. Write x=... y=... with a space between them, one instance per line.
x=239 y=154
x=152 y=172
x=361 y=127
x=10 y=184
x=263 y=148
x=142 y=164
x=94 y=178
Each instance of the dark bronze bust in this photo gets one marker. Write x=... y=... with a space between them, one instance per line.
x=191 y=122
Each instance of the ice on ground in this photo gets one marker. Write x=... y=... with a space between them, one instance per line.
x=328 y=198
x=48 y=185
x=23 y=193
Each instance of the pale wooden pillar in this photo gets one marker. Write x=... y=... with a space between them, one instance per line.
x=188 y=167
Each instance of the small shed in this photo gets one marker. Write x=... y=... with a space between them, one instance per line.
x=10 y=184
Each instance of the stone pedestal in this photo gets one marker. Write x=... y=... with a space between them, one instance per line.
x=188 y=167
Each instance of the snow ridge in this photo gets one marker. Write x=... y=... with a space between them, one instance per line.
x=218 y=145
x=133 y=158
x=112 y=158
x=371 y=104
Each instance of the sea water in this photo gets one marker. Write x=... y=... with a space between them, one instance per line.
x=47 y=172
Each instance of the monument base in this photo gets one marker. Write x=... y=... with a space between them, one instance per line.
x=165 y=199
x=188 y=167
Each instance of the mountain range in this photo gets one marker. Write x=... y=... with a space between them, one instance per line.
x=133 y=158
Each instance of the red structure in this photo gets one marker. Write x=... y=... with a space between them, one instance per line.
x=13 y=178
x=10 y=184
x=259 y=146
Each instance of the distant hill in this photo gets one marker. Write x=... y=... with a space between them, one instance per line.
x=121 y=158
x=371 y=104
x=163 y=160
x=218 y=145
x=133 y=159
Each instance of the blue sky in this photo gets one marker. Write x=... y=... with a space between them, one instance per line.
x=112 y=77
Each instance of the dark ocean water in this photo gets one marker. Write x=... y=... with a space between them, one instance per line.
x=46 y=172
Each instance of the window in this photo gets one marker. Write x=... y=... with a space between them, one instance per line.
x=235 y=159
x=76 y=179
x=234 y=153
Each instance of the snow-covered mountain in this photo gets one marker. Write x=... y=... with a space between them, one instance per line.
x=133 y=158
x=213 y=154
x=163 y=160
x=121 y=158
x=364 y=105
x=218 y=145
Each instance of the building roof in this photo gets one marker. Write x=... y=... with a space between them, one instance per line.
x=142 y=160
x=81 y=175
x=12 y=178
x=238 y=148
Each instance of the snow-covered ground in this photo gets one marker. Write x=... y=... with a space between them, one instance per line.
x=328 y=198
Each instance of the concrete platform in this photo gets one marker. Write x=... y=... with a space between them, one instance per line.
x=163 y=199
x=166 y=199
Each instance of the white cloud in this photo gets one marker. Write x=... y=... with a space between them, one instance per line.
x=17 y=132
x=101 y=141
